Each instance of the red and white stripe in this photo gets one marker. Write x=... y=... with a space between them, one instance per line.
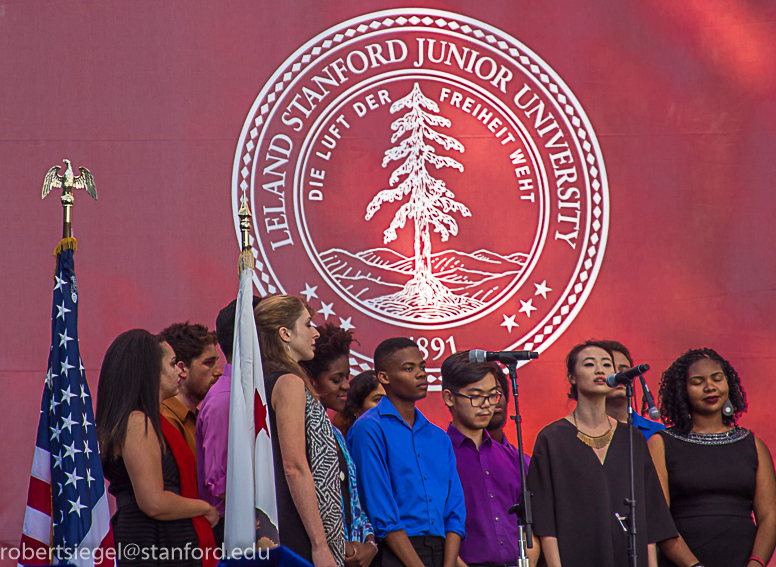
x=36 y=532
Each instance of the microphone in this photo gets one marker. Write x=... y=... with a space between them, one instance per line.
x=652 y=410
x=626 y=377
x=504 y=357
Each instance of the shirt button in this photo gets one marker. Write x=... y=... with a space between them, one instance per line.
x=497 y=518
x=486 y=472
x=501 y=543
x=491 y=496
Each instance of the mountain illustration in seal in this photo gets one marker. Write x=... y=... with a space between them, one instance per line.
x=428 y=286
x=377 y=277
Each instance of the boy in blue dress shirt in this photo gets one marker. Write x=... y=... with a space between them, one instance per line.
x=406 y=467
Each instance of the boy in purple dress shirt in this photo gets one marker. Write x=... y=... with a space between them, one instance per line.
x=489 y=471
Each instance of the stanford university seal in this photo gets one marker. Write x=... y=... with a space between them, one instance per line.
x=419 y=173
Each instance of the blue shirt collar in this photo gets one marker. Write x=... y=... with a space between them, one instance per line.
x=386 y=407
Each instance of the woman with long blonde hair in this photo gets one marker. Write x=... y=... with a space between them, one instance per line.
x=304 y=449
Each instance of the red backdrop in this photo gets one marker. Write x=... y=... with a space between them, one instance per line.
x=152 y=96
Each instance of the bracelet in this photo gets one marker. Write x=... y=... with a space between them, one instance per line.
x=760 y=561
x=373 y=542
x=698 y=564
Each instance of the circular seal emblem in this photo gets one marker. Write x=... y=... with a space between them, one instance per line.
x=419 y=173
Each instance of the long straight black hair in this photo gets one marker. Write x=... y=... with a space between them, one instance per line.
x=129 y=381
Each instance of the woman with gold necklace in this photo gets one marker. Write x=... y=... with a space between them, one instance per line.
x=579 y=477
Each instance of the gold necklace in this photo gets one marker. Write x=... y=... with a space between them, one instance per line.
x=595 y=442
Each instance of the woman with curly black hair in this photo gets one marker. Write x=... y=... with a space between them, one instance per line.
x=714 y=473
x=329 y=371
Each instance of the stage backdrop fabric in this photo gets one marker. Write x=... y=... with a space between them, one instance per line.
x=154 y=97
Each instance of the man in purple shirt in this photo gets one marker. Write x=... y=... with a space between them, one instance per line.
x=489 y=471
x=212 y=430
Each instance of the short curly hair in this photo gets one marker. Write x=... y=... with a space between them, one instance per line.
x=333 y=343
x=674 y=402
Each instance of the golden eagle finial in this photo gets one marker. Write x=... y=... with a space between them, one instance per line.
x=68 y=182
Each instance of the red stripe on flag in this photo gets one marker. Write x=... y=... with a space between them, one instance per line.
x=39 y=495
x=33 y=552
x=108 y=555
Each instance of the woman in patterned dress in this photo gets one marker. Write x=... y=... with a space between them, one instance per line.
x=714 y=474
x=329 y=371
x=304 y=449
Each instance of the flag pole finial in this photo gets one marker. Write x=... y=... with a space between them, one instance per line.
x=246 y=256
x=67 y=183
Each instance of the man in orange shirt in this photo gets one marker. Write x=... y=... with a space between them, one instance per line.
x=197 y=357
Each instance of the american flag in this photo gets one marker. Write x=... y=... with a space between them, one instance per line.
x=67 y=504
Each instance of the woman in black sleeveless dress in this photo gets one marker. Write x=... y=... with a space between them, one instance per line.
x=714 y=473
x=304 y=449
x=138 y=370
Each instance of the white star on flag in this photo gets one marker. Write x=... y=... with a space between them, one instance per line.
x=509 y=322
x=60 y=282
x=326 y=310
x=542 y=289
x=81 y=368
x=61 y=310
x=70 y=451
x=309 y=291
x=346 y=324
x=57 y=460
x=53 y=404
x=86 y=423
x=89 y=479
x=66 y=395
x=76 y=506
x=66 y=366
x=55 y=432
x=67 y=422
x=73 y=478
x=87 y=451
x=84 y=395
x=527 y=307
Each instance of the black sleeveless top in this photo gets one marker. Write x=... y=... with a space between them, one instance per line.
x=711 y=482
x=290 y=527
x=132 y=526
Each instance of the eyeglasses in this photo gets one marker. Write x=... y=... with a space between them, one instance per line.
x=479 y=401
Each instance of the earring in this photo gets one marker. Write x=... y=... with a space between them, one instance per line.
x=288 y=347
x=728 y=409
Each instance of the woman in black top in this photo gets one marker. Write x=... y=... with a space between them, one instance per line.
x=304 y=449
x=714 y=473
x=138 y=370
x=579 y=477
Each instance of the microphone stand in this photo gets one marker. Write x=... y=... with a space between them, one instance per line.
x=631 y=502
x=522 y=508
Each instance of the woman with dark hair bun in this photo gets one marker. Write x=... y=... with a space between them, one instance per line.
x=579 y=477
x=329 y=370
x=715 y=474
x=146 y=460
x=365 y=393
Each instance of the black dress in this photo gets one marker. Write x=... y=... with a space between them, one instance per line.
x=132 y=526
x=711 y=482
x=575 y=497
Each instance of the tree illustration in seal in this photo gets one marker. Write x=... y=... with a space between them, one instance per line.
x=429 y=206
